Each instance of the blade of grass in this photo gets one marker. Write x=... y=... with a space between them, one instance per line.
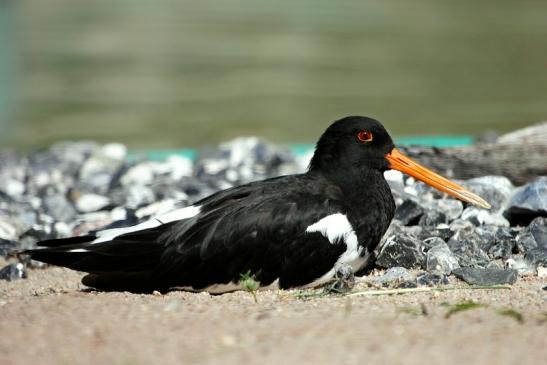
x=517 y=316
x=462 y=307
x=421 y=290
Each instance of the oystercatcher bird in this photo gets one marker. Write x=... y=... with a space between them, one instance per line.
x=289 y=231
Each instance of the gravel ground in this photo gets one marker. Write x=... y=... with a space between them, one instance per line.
x=51 y=319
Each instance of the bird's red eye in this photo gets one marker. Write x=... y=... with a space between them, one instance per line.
x=364 y=136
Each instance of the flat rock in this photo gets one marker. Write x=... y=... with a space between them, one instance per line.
x=478 y=276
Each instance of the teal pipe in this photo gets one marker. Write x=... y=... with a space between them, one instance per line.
x=303 y=148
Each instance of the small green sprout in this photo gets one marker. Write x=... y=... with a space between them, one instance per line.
x=517 y=316
x=249 y=284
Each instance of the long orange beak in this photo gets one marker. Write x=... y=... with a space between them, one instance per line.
x=400 y=162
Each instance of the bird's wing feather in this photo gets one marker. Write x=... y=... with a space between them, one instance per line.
x=252 y=228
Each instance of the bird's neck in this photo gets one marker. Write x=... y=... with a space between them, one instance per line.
x=371 y=205
x=356 y=184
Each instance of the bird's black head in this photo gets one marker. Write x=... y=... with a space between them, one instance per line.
x=355 y=148
x=357 y=143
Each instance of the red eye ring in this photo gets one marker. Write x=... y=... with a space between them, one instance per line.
x=364 y=136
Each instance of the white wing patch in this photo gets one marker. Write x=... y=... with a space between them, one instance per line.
x=336 y=227
x=179 y=214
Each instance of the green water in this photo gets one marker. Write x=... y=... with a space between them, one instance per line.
x=172 y=74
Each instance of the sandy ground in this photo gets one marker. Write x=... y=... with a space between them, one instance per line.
x=50 y=319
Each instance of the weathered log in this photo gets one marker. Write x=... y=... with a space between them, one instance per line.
x=521 y=156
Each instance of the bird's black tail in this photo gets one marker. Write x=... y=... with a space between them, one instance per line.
x=125 y=263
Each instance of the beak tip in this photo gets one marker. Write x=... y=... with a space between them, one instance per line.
x=485 y=205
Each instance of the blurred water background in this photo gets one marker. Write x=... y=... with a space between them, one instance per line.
x=182 y=73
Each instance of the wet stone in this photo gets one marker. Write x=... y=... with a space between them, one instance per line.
x=13 y=272
x=528 y=202
x=478 y=276
x=401 y=250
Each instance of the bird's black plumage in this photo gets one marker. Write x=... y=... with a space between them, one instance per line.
x=290 y=230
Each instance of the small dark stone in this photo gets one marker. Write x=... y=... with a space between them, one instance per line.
x=409 y=212
x=478 y=276
x=528 y=202
x=432 y=218
x=402 y=250
x=407 y=285
x=431 y=279
x=502 y=245
x=7 y=247
x=13 y=272
x=442 y=231
x=533 y=241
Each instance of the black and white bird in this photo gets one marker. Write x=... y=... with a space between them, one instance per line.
x=286 y=232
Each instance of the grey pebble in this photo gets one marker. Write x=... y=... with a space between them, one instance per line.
x=478 y=276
